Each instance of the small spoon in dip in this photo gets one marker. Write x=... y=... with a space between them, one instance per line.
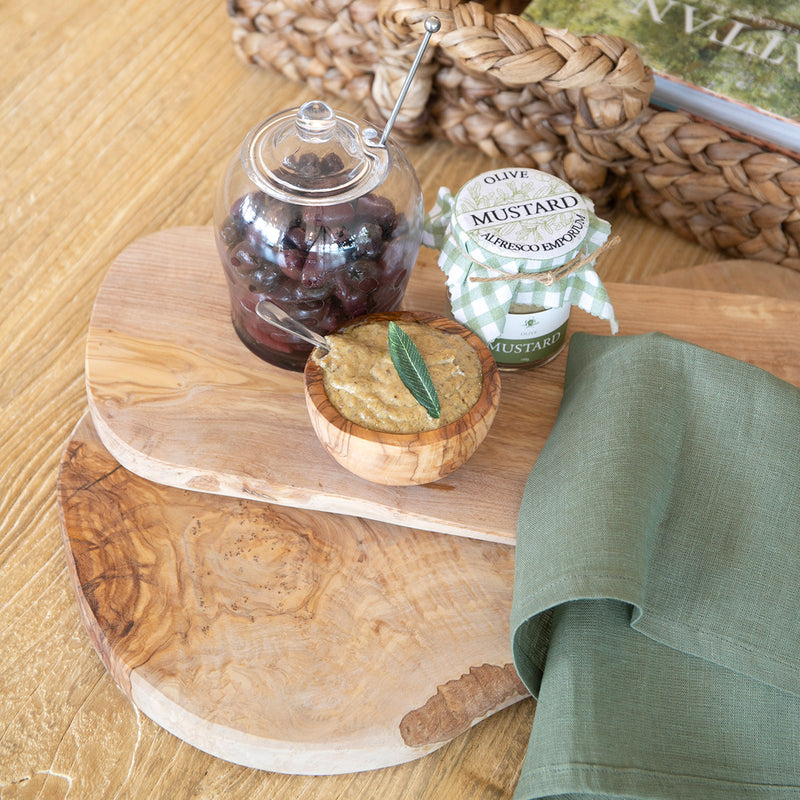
x=275 y=315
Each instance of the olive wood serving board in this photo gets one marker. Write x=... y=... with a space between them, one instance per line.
x=176 y=398
x=283 y=639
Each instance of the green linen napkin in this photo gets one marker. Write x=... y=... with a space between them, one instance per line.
x=656 y=612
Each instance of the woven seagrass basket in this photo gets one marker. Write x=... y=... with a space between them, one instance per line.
x=575 y=106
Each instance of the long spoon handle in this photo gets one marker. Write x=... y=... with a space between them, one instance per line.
x=432 y=24
x=275 y=315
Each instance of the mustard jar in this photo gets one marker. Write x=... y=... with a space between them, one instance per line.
x=517 y=247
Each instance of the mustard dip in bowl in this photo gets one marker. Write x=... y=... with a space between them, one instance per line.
x=369 y=422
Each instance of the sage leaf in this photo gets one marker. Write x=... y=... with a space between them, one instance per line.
x=411 y=368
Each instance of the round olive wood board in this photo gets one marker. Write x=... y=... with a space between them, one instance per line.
x=176 y=398
x=283 y=639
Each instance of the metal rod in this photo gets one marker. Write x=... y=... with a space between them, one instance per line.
x=432 y=25
x=275 y=315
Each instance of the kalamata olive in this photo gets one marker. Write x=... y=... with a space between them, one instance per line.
x=393 y=263
x=342 y=238
x=265 y=279
x=368 y=239
x=354 y=302
x=309 y=312
x=268 y=230
x=271 y=337
x=307 y=165
x=376 y=208
x=244 y=259
x=284 y=294
x=291 y=263
x=330 y=164
x=314 y=273
x=309 y=294
x=296 y=237
x=266 y=251
x=387 y=297
x=329 y=251
x=322 y=317
x=399 y=228
x=363 y=275
x=229 y=232
x=333 y=319
x=248 y=208
x=333 y=216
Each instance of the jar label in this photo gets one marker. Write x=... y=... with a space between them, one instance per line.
x=523 y=214
x=531 y=338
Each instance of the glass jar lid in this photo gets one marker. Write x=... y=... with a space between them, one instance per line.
x=312 y=156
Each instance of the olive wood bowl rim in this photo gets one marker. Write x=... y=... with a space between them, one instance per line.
x=487 y=400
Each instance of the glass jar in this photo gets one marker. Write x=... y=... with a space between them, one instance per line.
x=518 y=247
x=316 y=215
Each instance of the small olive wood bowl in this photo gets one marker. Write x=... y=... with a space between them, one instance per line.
x=405 y=459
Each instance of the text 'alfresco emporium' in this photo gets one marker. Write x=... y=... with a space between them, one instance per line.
x=577 y=229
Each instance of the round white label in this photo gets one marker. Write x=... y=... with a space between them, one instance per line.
x=522 y=214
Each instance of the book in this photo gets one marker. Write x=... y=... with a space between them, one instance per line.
x=735 y=64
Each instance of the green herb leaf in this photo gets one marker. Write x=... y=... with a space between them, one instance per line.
x=411 y=368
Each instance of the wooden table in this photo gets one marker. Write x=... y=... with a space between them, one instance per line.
x=117 y=119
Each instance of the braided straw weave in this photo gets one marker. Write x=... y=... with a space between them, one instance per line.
x=574 y=106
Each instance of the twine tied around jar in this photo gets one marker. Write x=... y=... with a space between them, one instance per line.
x=549 y=277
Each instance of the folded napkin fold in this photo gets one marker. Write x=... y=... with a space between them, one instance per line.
x=656 y=612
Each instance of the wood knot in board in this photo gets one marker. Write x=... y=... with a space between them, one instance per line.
x=460 y=703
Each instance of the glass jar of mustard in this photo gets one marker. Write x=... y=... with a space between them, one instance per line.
x=517 y=246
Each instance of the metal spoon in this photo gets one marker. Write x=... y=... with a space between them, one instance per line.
x=275 y=315
x=432 y=25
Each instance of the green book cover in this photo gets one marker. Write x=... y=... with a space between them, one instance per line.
x=746 y=54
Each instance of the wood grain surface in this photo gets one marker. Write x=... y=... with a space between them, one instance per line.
x=265 y=635
x=117 y=121
x=177 y=399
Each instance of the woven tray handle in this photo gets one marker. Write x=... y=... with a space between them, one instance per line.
x=490 y=80
x=576 y=107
